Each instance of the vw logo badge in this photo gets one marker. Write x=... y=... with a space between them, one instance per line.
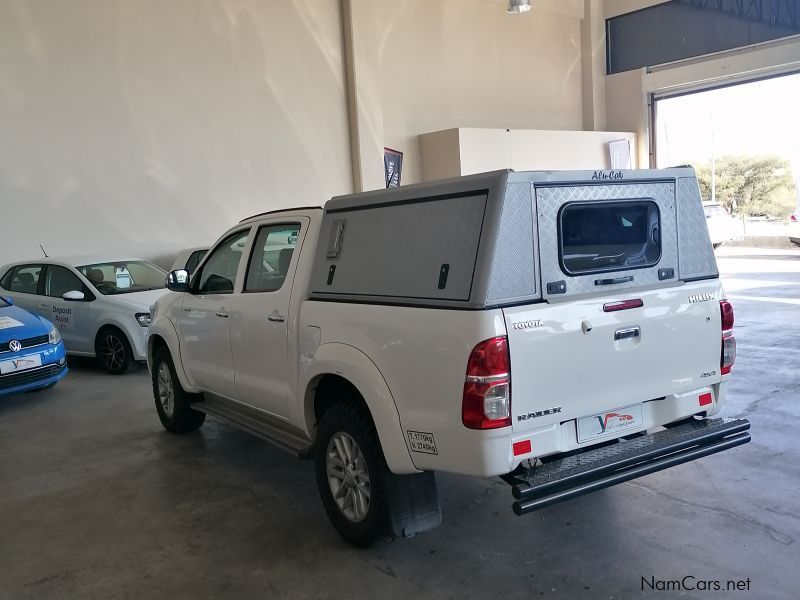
x=15 y=345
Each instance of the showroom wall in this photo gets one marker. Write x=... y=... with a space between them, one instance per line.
x=482 y=68
x=145 y=126
x=140 y=126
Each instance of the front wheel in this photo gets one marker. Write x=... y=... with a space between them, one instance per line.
x=172 y=402
x=350 y=470
x=113 y=351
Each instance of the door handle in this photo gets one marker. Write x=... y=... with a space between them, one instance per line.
x=624 y=334
x=276 y=317
x=613 y=281
x=222 y=315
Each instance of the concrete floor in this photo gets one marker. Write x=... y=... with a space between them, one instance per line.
x=96 y=501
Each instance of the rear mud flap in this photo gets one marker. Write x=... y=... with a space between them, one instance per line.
x=413 y=503
x=598 y=468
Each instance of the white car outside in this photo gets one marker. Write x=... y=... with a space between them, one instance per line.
x=794 y=227
x=101 y=306
x=720 y=223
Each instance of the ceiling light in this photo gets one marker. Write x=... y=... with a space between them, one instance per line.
x=518 y=6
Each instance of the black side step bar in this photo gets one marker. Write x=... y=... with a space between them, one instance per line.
x=598 y=468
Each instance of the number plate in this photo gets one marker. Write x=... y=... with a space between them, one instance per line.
x=21 y=363
x=608 y=423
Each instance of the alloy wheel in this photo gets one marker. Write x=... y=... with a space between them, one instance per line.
x=113 y=352
x=166 y=393
x=348 y=476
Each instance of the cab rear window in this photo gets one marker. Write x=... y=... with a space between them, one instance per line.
x=598 y=237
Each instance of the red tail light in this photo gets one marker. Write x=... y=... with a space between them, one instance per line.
x=623 y=305
x=486 y=403
x=728 y=356
x=793 y=218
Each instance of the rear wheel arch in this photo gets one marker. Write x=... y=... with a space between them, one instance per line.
x=343 y=373
x=330 y=389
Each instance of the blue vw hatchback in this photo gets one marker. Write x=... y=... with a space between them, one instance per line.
x=32 y=354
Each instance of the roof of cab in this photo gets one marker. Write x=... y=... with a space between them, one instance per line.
x=279 y=211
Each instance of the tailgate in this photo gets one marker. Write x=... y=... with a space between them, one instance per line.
x=576 y=359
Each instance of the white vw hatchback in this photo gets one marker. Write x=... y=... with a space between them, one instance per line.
x=101 y=306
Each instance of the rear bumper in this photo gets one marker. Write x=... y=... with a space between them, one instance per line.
x=598 y=468
x=490 y=453
x=562 y=437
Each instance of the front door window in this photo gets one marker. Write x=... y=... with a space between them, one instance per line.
x=219 y=272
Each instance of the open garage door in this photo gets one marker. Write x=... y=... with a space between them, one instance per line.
x=744 y=141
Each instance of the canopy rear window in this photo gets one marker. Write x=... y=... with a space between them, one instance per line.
x=598 y=237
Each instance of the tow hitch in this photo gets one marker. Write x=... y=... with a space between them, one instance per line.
x=598 y=468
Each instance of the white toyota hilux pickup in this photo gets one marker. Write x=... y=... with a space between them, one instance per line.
x=565 y=331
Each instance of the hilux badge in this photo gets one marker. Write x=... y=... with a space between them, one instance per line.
x=701 y=297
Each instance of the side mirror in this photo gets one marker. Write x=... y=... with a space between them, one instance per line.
x=8 y=300
x=74 y=296
x=178 y=280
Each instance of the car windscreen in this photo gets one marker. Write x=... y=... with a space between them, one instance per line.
x=124 y=277
x=596 y=237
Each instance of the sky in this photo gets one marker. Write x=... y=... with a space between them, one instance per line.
x=762 y=117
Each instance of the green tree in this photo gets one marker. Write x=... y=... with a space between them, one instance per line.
x=751 y=185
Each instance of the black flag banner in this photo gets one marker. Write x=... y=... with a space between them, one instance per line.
x=392 y=166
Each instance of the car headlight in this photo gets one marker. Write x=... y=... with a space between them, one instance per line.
x=143 y=319
x=55 y=336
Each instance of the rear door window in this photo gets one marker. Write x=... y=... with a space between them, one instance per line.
x=271 y=257
x=25 y=279
x=598 y=237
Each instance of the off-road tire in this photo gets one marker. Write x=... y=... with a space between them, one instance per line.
x=176 y=414
x=354 y=421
